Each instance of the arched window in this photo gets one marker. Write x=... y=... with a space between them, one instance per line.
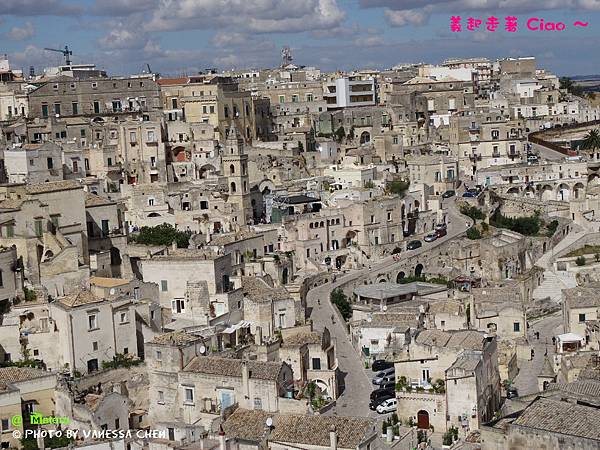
x=233 y=188
x=231 y=169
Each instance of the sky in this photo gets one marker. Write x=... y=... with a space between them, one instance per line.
x=185 y=36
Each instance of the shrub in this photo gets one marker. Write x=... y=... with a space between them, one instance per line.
x=339 y=299
x=528 y=226
x=473 y=233
x=397 y=187
x=580 y=261
x=163 y=234
x=473 y=212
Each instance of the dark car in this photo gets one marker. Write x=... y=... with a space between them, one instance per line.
x=373 y=404
x=412 y=245
x=470 y=194
x=391 y=385
x=441 y=232
x=381 y=364
x=449 y=194
x=512 y=392
x=378 y=393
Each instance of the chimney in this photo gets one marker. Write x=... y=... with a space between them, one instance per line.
x=333 y=438
x=245 y=379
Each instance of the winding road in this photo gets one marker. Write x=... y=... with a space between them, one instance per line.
x=354 y=400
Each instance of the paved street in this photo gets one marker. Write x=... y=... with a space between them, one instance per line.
x=354 y=400
x=526 y=381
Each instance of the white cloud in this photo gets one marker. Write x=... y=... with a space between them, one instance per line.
x=259 y=16
x=21 y=33
x=407 y=17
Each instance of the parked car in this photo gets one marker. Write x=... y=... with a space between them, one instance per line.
x=387 y=406
x=413 y=245
x=512 y=392
x=470 y=194
x=373 y=404
x=440 y=226
x=383 y=380
x=449 y=194
x=391 y=385
x=381 y=364
x=386 y=372
x=441 y=232
x=430 y=237
x=381 y=392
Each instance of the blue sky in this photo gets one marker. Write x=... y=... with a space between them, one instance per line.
x=184 y=36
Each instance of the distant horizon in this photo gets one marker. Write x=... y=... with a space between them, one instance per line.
x=122 y=36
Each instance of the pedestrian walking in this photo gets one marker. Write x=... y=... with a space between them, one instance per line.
x=537 y=335
x=532 y=353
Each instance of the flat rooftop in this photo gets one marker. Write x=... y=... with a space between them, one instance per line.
x=383 y=291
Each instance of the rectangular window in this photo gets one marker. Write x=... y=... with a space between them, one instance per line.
x=44 y=111
x=257 y=403
x=581 y=317
x=161 y=397
x=316 y=363
x=123 y=318
x=158 y=355
x=57 y=109
x=96 y=107
x=516 y=327
x=75 y=107
x=211 y=109
x=39 y=228
x=178 y=305
x=132 y=137
x=174 y=103
x=282 y=99
x=163 y=285
x=294 y=98
x=10 y=231
x=92 y=322
x=309 y=97
x=188 y=395
x=95 y=346
x=50 y=163
x=105 y=225
x=4 y=425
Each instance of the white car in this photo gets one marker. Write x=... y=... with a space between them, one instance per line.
x=387 y=406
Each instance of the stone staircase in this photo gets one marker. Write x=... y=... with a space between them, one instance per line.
x=555 y=281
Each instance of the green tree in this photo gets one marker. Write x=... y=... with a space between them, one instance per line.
x=473 y=233
x=473 y=212
x=340 y=134
x=163 y=234
x=339 y=299
x=591 y=140
x=580 y=261
x=397 y=187
x=568 y=85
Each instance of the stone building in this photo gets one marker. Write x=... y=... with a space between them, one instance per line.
x=23 y=391
x=466 y=362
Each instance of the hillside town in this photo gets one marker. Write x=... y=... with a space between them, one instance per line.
x=286 y=258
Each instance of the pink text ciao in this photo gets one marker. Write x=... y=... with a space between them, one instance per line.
x=539 y=24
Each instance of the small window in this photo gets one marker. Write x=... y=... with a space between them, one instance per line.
x=158 y=355
x=4 y=425
x=257 y=403
x=161 y=397
x=92 y=322
x=163 y=285
x=95 y=346
x=316 y=363
x=516 y=327
x=123 y=317
x=581 y=317
x=188 y=395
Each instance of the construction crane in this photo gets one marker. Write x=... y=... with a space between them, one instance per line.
x=66 y=53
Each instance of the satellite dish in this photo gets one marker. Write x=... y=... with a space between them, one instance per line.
x=202 y=350
x=269 y=422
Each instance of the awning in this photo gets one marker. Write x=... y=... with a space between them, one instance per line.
x=237 y=326
x=570 y=337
